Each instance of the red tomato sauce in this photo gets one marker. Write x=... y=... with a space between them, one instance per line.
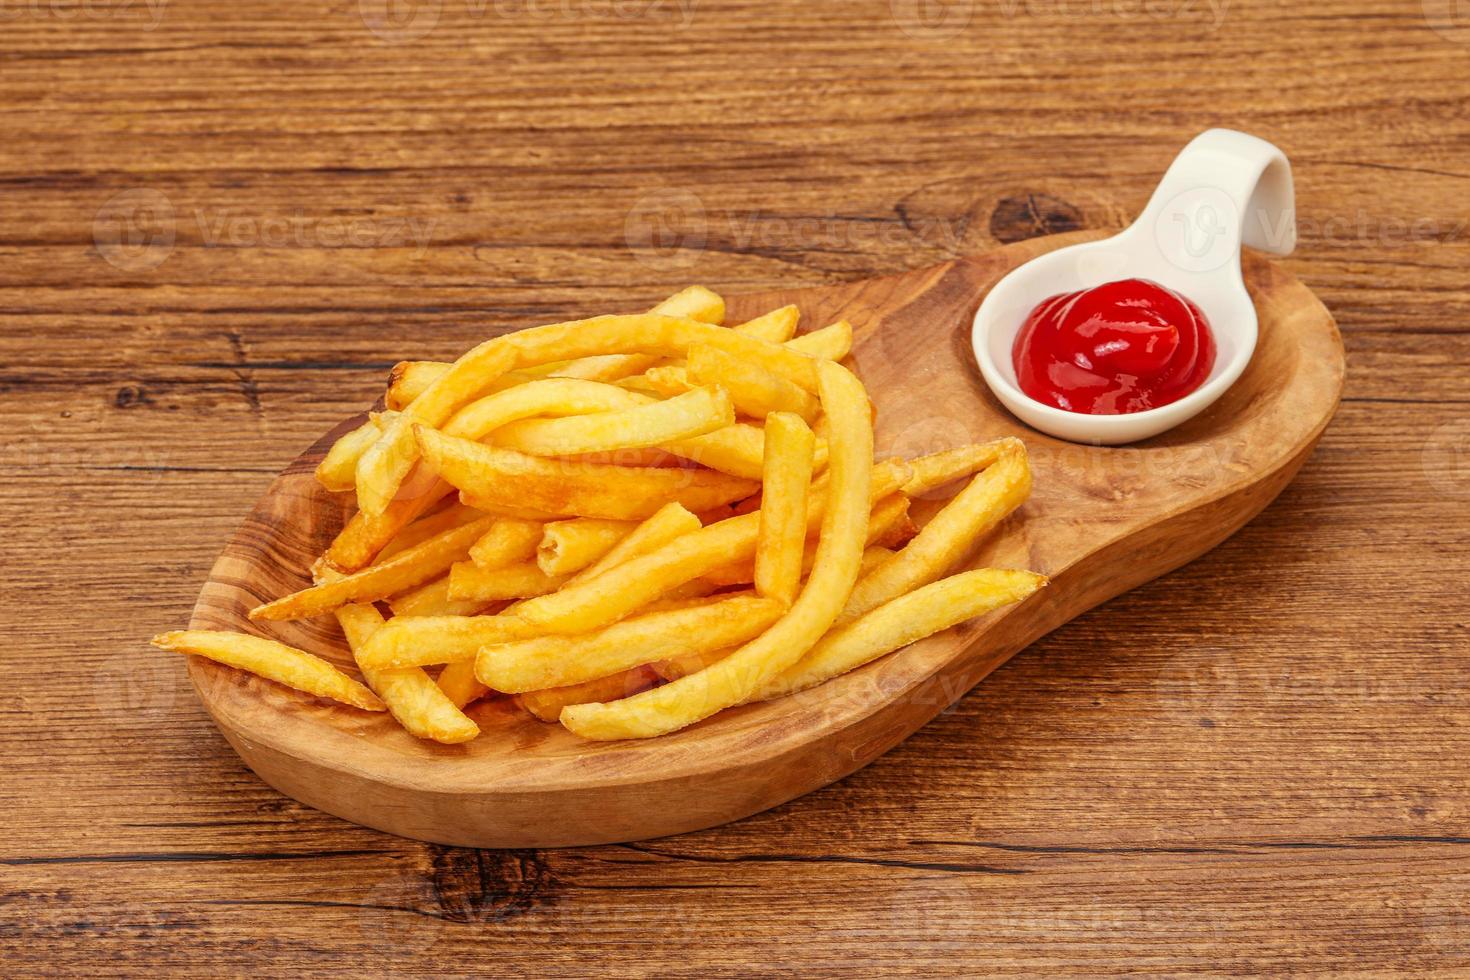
x=1115 y=349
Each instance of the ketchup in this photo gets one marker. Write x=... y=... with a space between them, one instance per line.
x=1119 y=348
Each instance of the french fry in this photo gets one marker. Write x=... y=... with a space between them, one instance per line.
x=939 y=469
x=508 y=542
x=755 y=391
x=365 y=535
x=902 y=621
x=735 y=678
x=696 y=303
x=789 y=445
x=558 y=661
x=546 y=705
x=831 y=343
x=685 y=416
x=990 y=497
x=422 y=641
x=669 y=379
x=431 y=525
x=888 y=522
x=459 y=684
x=337 y=470
x=573 y=489
x=548 y=396
x=736 y=449
x=469 y=581
x=567 y=547
x=273 y=661
x=400 y=573
x=689 y=663
x=409 y=379
x=432 y=599
x=669 y=522
x=411 y=695
x=593 y=603
x=652 y=334
x=504 y=511
x=775 y=327
x=386 y=464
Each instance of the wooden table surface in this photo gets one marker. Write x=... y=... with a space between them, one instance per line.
x=220 y=223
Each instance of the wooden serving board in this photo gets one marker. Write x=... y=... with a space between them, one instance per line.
x=1100 y=522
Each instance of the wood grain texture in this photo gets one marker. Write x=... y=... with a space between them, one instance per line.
x=1259 y=763
x=1101 y=521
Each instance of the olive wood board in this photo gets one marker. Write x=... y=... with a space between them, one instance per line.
x=1100 y=521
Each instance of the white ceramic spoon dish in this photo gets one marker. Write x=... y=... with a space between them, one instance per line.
x=1224 y=189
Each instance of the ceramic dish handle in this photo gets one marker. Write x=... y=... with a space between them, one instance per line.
x=1223 y=189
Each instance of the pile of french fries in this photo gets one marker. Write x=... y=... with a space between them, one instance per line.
x=630 y=523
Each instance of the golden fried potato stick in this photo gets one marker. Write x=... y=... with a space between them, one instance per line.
x=949 y=535
x=411 y=695
x=548 y=396
x=938 y=469
x=431 y=525
x=831 y=343
x=409 y=379
x=508 y=542
x=402 y=572
x=668 y=379
x=689 y=663
x=902 y=621
x=338 y=469
x=432 y=599
x=784 y=491
x=506 y=511
x=685 y=416
x=775 y=327
x=669 y=522
x=546 y=705
x=365 y=535
x=469 y=581
x=558 y=661
x=735 y=678
x=696 y=303
x=755 y=391
x=459 y=684
x=567 y=547
x=888 y=522
x=625 y=493
x=382 y=469
x=273 y=661
x=587 y=605
x=421 y=641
